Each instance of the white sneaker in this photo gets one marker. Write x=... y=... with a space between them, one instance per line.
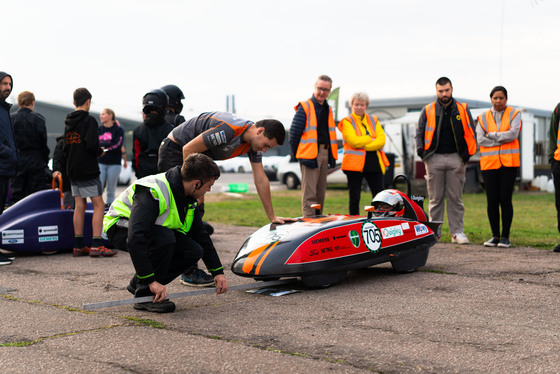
x=460 y=238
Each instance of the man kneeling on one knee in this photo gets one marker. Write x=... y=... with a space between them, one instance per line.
x=156 y=221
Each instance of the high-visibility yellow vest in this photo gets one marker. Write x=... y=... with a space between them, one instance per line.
x=168 y=215
x=502 y=155
x=308 y=148
x=355 y=159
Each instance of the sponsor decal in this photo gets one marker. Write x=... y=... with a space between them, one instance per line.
x=319 y=251
x=320 y=240
x=223 y=136
x=212 y=139
x=338 y=237
x=48 y=230
x=354 y=238
x=313 y=252
x=48 y=239
x=371 y=236
x=12 y=241
x=340 y=247
x=11 y=234
x=420 y=229
x=275 y=236
x=391 y=232
x=405 y=225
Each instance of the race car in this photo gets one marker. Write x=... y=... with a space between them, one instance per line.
x=322 y=249
x=39 y=223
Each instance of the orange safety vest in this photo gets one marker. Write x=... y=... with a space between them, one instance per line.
x=307 y=148
x=557 y=151
x=470 y=139
x=502 y=155
x=355 y=159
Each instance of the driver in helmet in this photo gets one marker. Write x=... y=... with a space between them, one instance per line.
x=147 y=137
x=174 y=106
x=388 y=203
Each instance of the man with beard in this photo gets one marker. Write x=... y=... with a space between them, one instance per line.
x=8 y=150
x=221 y=136
x=445 y=141
x=147 y=137
x=156 y=220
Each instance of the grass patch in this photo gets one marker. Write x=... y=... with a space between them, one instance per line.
x=534 y=221
x=436 y=271
x=148 y=322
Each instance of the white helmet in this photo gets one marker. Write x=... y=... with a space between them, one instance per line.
x=388 y=203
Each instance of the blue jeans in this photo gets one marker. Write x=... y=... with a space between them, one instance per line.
x=109 y=176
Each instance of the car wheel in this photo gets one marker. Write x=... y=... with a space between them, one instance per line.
x=292 y=181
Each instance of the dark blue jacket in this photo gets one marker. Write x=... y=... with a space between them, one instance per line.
x=8 y=149
x=30 y=133
x=298 y=126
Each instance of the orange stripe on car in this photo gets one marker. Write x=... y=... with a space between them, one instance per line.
x=263 y=257
x=252 y=258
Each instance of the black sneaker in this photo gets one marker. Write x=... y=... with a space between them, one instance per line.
x=557 y=248
x=132 y=285
x=165 y=306
x=197 y=278
x=504 y=243
x=492 y=242
x=5 y=260
x=8 y=255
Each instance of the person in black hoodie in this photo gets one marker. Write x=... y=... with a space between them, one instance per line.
x=8 y=149
x=81 y=151
x=31 y=138
x=148 y=136
x=59 y=169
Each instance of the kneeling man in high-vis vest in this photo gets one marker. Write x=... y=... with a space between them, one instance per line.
x=156 y=221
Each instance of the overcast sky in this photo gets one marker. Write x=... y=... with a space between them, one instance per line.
x=269 y=53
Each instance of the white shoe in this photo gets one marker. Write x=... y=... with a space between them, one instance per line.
x=460 y=238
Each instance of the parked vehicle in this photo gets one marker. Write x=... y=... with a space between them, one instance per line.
x=289 y=172
x=235 y=165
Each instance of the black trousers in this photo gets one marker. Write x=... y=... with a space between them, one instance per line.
x=555 y=166
x=499 y=191
x=374 y=181
x=170 y=252
x=170 y=154
x=4 y=189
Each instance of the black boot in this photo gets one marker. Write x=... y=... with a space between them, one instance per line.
x=164 y=306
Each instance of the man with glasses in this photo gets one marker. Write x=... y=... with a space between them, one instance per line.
x=222 y=135
x=313 y=143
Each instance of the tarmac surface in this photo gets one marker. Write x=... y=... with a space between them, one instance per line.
x=471 y=309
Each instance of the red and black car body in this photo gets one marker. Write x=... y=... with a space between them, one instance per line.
x=320 y=250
